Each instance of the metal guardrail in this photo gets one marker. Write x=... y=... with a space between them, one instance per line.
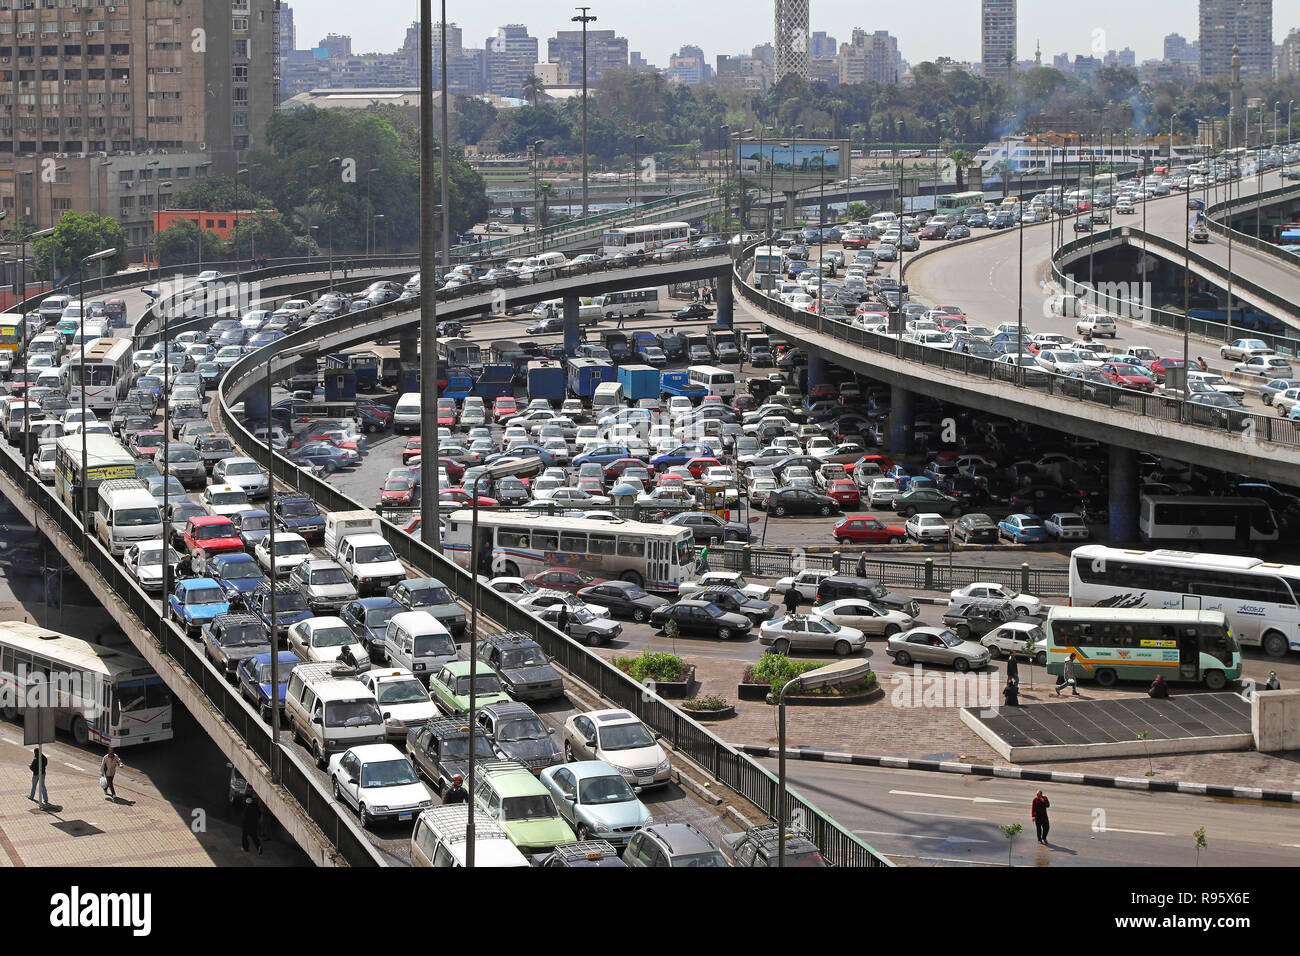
x=1262 y=428
x=247 y=725
x=736 y=770
x=1244 y=204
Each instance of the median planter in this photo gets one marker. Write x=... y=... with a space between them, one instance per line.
x=708 y=708
x=666 y=674
x=764 y=679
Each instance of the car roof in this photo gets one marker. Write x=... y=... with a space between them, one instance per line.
x=189 y=584
x=376 y=752
x=680 y=837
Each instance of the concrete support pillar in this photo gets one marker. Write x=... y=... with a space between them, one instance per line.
x=256 y=407
x=902 y=420
x=408 y=345
x=789 y=219
x=572 y=334
x=726 y=299
x=818 y=368
x=1123 y=481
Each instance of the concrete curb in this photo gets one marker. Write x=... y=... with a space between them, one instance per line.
x=1021 y=773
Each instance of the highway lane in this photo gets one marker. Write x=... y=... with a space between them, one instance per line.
x=922 y=818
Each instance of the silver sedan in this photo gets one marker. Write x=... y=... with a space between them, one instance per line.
x=810 y=632
x=936 y=645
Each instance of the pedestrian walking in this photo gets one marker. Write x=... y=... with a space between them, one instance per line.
x=562 y=619
x=862 y=565
x=1011 y=693
x=108 y=768
x=456 y=792
x=792 y=597
x=1273 y=682
x=1013 y=668
x=1038 y=813
x=622 y=318
x=252 y=817
x=1200 y=363
x=704 y=559
x=1068 y=677
x=1158 y=689
x=37 y=767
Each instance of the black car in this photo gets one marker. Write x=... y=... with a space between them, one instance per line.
x=623 y=599
x=519 y=734
x=230 y=638
x=799 y=501
x=297 y=513
x=674 y=345
x=696 y=310
x=977 y=618
x=439 y=751
x=368 y=619
x=525 y=671
x=975 y=529
x=430 y=594
x=708 y=528
x=450 y=327
x=735 y=601
x=702 y=619
x=850 y=586
x=1086 y=383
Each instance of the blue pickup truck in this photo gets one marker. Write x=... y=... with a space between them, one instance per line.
x=679 y=383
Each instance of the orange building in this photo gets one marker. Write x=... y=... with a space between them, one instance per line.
x=220 y=222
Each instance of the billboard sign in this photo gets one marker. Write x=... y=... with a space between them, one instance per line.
x=791 y=165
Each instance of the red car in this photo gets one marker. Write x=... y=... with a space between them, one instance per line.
x=382 y=412
x=855 y=240
x=460 y=498
x=844 y=491
x=1160 y=367
x=885 y=463
x=412 y=450
x=564 y=579
x=1125 y=376
x=822 y=390
x=210 y=535
x=952 y=310
x=145 y=444
x=697 y=465
x=336 y=442
x=868 y=531
x=447 y=417
x=504 y=408
x=454 y=469
x=744 y=402
x=397 y=491
x=933 y=232
x=616 y=467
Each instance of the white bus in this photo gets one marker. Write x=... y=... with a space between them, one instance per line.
x=101 y=694
x=109 y=372
x=628 y=302
x=1257 y=597
x=653 y=556
x=717 y=380
x=1191 y=520
x=660 y=235
x=768 y=261
x=458 y=352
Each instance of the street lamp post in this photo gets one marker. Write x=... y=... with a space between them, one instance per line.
x=370 y=208
x=636 y=173
x=724 y=178
x=821 y=232
x=81 y=378
x=584 y=18
x=518 y=468
x=537 y=203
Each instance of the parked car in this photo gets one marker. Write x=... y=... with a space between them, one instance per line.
x=936 y=645
x=1021 y=638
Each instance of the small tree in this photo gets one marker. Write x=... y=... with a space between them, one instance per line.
x=671 y=631
x=1199 y=834
x=1009 y=830
x=1144 y=736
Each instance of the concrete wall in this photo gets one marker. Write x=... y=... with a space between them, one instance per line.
x=1275 y=720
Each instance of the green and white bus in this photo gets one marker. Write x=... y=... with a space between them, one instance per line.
x=1112 y=644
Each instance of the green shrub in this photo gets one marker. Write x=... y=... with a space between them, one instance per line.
x=777 y=670
x=712 y=702
x=653 y=665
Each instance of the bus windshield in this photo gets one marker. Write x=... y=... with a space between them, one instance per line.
x=144 y=694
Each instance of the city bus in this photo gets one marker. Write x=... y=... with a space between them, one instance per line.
x=628 y=302
x=462 y=353
x=660 y=235
x=768 y=261
x=11 y=334
x=653 y=556
x=102 y=694
x=1193 y=520
x=106 y=459
x=956 y=202
x=1257 y=597
x=1112 y=644
x=109 y=372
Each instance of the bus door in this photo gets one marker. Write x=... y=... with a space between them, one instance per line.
x=102 y=723
x=1189 y=655
x=1191 y=602
x=656 y=565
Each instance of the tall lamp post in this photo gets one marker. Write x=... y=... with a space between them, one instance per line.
x=584 y=18
x=724 y=177
x=636 y=172
x=841 y=672
x=81 y=379
x=518 y=468
x=821 y=230
x=537 y=202
x=429 y=530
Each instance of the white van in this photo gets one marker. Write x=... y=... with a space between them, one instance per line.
x=406 y=414
x=417 y=641
x=49 y=343
x=18 y=415
x=331 y=711
x=882 y=219
x=439 y=839
x=52 y=306
x=127 y=514
x=608 y=395
x=718 y=381
x=340 y=524
x=543 y=266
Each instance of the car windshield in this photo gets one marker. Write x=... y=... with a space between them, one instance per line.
x=483 y=684
x=243 y=635
x=182 y=454
x=387 y=773
x=403 y=692
x=328 y=576
x=354 y=713
x=434 y=645
x=228 y=498
x=335 y=636
x=241 y=570
x=299 y=509
x=712 y=858
x=457 y=748
x=523 y=657
x=291 y=546
x=264 y=672
x=205 y=596
x=153 y=556
x=632 y=736
x=255 y=522
x=535 y=807
x=522 y=728
x=427 y=597
x=136 y=517
x=148 y=441
x=610 y=789
x=209 y=532
x=374 y=554
x=289 y=601
x=241 y=467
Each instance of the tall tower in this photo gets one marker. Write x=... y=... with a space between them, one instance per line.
x=1234 y=96
x=791 y=39
x=998 y=36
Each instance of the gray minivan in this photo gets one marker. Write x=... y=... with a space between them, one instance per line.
x=416 y=641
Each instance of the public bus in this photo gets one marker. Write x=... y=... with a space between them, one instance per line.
x=1193 y=520
x=956 y=202
x=1112 y=644
x=657 y=557
x=109 y=372
x=660 y=235
x=99 y=693
x=105 y=459
x=390 y=364
x=11 y=334
x=627 y=302
x=1258 y=598
x=768 y=261
x=463 y=353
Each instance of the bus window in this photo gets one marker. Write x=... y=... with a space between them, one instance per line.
x=631 y=547
x=600 y=544
x=512 y=538
x=545 y=541
x=573 y=543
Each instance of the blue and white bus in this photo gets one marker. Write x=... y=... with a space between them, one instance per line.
x=627 y=302
x=659 y=235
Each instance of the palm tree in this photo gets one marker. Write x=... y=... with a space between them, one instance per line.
x=533 y=89
x=312 y=214
x=961 y=160
x=545 y=190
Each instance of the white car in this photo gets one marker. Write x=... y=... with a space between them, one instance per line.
x=1014 y=637
x=242 y=473
x=1066 y=526
x=403 y=699
x=1060 y=361
x=806 y=582
x=1269 y=366
x=208 y=275
x=144 y=562
x=511 y=587
x=1025 y=604
x=882 y=492
x=44 y=462
x=224 y=500
x=322 y=639
x=379 y=782
x=622 y=741
x=727 y=579
x=549 y=597
x=1217 y=383
x=1243 y=349
x=291 y=550
x=926 y=527
x=875 y=620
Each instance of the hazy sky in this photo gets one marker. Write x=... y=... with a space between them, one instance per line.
x=658 y=28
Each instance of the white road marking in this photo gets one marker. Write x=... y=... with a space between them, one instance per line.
x=949 y=816
x=921 y=836
x=944 y=796
x=1121 y=830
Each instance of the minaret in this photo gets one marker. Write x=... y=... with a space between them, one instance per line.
x=1038 y=55
x=1234 y=94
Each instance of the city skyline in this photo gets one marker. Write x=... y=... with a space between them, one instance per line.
x=944 y=28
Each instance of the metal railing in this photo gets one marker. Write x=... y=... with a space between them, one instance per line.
x=1243 y=205
x=246 y=724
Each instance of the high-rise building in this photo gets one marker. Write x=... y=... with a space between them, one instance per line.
x=508 y=60
x=689 y=66
x=336 y=44
x=997 y=36
x=605 y=51
x=870 y=58
x=1288 y=58
x=791 y=40
x=1246 y=24
x=745 y=72
x=823 y=45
